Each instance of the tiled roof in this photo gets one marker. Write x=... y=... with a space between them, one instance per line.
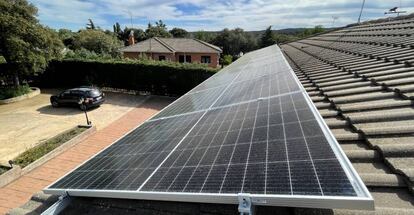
x=362 y=81
x=171 y=45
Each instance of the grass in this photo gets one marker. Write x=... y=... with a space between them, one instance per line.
x=37 y=152
x=10 y=92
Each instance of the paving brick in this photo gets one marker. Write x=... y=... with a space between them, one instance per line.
x=44 y=173
x=61 y=164
x=28 y=184
x=4 y=210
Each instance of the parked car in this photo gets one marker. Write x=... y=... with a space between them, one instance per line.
x=91 y=97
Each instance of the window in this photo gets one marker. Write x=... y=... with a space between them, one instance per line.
x=205 y=59
x=161 y=57
x=187 y=58
x=66 y=93
x=77 y=93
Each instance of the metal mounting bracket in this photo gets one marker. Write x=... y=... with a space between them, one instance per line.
x=246 y=206
x=63 y=201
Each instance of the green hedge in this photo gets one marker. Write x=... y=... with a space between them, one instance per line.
x=160 y=78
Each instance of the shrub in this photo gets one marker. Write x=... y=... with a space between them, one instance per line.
x=227 y=59
x=10 y=92
x=157 y=77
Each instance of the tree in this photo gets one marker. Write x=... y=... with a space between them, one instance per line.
x=117 y=28
x=67 y=37
x=227 y=59
x=90 y=25
x=235 y=41
x=159 y=30
x=123 y=35
x=311 y=31
x=267 y=38
x=178 y=33
x=26 y=45
x=318 y=29
x=139 y=35
x=205 y=36
x=282 y=38
x=97 y=41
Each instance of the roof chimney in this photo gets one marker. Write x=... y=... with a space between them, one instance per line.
x=131 y=40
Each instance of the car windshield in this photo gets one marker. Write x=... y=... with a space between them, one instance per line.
x=94 y=93
x=65 y=92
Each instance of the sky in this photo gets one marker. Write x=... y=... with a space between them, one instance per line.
x=211 y=15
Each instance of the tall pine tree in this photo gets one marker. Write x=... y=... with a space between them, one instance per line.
x=267 y=38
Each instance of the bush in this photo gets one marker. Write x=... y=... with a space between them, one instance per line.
x=84 y=54
x=157 y=77
x=227 y=59
x=10 y=92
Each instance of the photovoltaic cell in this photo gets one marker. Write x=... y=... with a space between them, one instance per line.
x=191 y=103
x=129 y=161
x=249 y=129
x=247 y=139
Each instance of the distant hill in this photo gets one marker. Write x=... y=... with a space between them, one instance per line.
x=289 y=31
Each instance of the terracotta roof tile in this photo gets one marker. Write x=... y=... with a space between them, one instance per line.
x=370 y=85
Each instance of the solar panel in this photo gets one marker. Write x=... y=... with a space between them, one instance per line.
x=249 y=130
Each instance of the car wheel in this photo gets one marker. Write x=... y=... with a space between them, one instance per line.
x=55 y=104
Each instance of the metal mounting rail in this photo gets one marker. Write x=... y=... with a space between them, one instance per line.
x=59 y=206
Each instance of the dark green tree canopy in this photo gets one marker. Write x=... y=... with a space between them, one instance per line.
x=178 y=33
x=139 y=35
x=26 y=45
x=267 y=38
x=235 y=41
x=311 y=31
x=67 y=37
x=157 y=30
x=204 y=36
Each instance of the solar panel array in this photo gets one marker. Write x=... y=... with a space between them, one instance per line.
x=248 y=129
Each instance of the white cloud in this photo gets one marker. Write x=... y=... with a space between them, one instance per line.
x=62 y=11
x=212 y=14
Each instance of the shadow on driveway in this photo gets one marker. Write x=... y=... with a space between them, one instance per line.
x=59 y=111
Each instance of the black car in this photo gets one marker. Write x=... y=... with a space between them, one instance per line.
x=90 y=96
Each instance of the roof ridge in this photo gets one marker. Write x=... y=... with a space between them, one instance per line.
x=208 y=44
x=164 y=44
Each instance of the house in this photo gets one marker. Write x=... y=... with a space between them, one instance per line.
x=183 y=50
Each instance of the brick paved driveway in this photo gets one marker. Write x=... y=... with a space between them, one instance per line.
x=26 y=123
x=19 y=191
